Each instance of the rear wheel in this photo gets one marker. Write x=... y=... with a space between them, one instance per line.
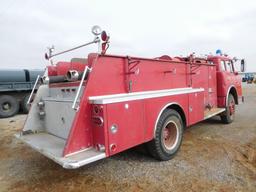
x=168 y=136
x=9 y=106
x=229 y=115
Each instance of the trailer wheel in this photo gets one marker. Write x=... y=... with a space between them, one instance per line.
x=9 y=106
x=25 y=107
x=168 y=136
x=229 y=115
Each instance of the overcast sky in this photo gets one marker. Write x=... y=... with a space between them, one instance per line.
x=137 y=28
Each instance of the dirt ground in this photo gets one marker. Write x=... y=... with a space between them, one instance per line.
x=213 y=157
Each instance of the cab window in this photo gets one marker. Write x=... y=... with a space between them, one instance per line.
x=222 y=66
x=229 y=66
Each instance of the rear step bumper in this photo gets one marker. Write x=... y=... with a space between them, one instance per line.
x=52 y=147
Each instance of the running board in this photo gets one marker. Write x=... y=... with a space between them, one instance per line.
x=214 y=111
x=52 y=147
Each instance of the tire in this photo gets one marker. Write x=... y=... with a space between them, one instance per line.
x=25 y=107
x=168 y=136
x=9 y=106
x=229 y=114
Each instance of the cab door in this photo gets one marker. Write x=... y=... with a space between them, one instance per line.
x=237 y=79
x=230 y=73
x=226 y=77
x=233 y=77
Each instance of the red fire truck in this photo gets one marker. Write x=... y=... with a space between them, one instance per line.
x=92 y=108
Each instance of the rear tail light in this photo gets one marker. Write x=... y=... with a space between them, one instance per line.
x=113 y=147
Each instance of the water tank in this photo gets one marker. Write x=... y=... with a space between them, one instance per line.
x=19 y=75
x=34 y=73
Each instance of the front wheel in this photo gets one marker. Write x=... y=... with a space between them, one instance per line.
x=229 y=114
x=168 y=136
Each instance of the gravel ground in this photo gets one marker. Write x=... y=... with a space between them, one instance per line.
x=213 y=157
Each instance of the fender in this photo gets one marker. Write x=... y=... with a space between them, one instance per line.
x=235 y=96
x=165 y=107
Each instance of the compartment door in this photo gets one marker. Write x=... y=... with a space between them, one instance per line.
x=200 y=76
x=125 y=125
x=196 y=107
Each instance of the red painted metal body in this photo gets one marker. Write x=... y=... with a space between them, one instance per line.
x=118 y=74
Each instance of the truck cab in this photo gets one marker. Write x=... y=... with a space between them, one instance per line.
x=228 y=81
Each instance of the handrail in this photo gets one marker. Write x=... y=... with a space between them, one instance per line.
x=86 y=70
x=33 y=90
x=96 y=40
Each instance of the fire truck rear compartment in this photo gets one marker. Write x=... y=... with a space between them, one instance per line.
x=59 y=117
x=55 y=111
x=48 y=125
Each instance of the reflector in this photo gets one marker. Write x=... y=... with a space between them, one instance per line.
x=104 y=36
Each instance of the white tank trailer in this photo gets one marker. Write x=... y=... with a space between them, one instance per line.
x=15 y=88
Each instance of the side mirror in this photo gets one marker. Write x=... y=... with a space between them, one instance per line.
x=242 y=65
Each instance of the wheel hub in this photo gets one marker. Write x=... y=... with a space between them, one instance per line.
x=170 y=135
x=6 y=106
